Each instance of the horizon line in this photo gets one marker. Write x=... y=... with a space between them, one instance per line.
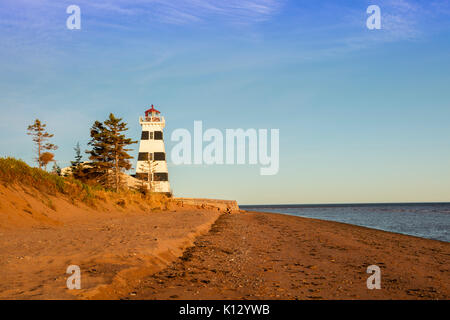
x=344 y=204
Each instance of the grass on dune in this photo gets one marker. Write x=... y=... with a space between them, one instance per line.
x=17 y=172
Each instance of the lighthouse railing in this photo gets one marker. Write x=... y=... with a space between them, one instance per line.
x=158 y=119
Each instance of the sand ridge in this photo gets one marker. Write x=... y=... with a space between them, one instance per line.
x=113 y=244
x=108 y=251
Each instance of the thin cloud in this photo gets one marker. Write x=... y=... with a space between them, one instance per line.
x=194 y=11
x=401 y=19
x=32 y=13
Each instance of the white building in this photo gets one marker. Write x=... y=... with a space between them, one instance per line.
x=151 y=165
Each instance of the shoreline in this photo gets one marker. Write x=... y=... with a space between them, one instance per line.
x=260 y=255
x=343 y=204
x=429 y=221
x=211 y=254
x=349 y=224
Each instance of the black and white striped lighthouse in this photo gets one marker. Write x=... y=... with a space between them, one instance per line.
x=151 y=165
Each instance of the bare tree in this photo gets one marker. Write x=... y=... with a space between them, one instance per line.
x=149 y=167
x=40 y=137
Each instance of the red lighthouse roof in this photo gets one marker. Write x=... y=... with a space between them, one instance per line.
x=151 y=110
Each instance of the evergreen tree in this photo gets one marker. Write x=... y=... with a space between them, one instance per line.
x=109 y=152
x=76 y=167
x=100 y=162
x=40 y=137
x=78 y=156
x=56 y=169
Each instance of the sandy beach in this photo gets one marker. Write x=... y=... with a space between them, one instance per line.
x=108 y=250
x=114 y=244
x=271 y=256
x=128 y=250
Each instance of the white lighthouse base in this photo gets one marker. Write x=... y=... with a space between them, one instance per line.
x=160 y=186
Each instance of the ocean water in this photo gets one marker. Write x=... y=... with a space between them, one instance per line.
x=426 y=220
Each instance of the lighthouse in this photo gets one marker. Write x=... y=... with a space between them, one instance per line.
x=151 y=165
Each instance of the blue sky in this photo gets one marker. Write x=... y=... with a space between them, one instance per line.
x=363 y=114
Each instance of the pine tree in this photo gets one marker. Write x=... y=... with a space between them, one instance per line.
x=120 y=157
x=76 y=167
x=56 y=169
x=100 y=162
x=109 y=151
x=78 y=156
x=40 y=137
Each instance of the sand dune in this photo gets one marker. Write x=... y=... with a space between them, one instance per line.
x=41 y=235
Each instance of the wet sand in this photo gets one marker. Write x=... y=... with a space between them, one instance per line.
x=271 y=256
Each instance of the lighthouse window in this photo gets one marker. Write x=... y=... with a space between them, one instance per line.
x=160 y=176
x=144 y=135
x=143 y=156
x=159 y=156
x=151 y=135
x=158 y=135
x=143 y=176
